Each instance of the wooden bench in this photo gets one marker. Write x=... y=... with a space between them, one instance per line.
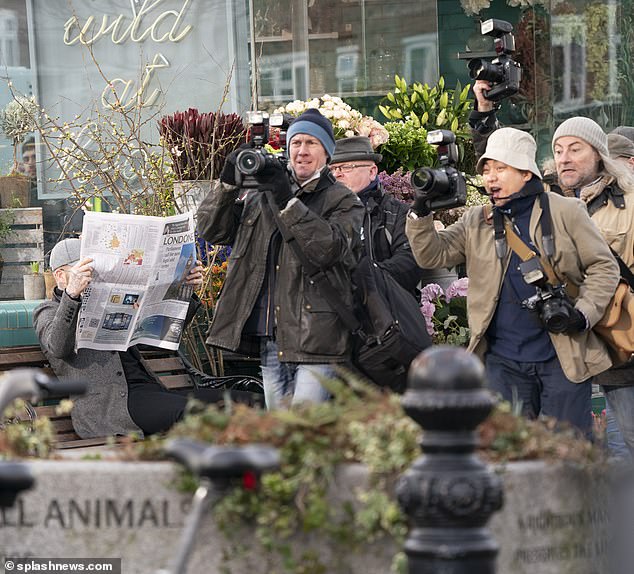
x=172 y=369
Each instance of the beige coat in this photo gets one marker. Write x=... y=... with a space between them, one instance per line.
x=581 y=257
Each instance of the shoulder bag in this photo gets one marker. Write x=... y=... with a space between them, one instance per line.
x=388 y=330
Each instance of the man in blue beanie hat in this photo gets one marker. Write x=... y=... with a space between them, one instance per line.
x=269 y=305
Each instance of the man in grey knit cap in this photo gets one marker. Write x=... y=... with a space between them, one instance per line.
x=585 y=170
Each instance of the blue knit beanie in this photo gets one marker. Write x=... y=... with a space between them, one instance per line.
x=312 y=123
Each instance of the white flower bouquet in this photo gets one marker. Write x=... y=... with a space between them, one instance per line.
x=346 y=121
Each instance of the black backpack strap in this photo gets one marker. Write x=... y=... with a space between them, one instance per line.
x=389 y=225
x=315 y=275
x=624 y=269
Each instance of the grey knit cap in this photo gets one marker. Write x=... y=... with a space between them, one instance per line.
x=66 y=252
x=586 y=129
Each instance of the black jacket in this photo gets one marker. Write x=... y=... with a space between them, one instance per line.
x=388 y=240
x=325 y=219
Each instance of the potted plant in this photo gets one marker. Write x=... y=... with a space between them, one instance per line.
x=17 y=119
x=49 y=282
x=34 y=285
x=198 y=144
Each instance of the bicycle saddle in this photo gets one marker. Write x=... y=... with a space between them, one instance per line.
x=14 y=478
x=222 y=462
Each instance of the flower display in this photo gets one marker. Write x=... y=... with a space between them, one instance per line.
x=446 y=312
x=346 y=121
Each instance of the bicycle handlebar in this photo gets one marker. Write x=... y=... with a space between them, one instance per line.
x=33 y=385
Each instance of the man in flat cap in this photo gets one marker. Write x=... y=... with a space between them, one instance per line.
x=354 y=164
x=621 y=149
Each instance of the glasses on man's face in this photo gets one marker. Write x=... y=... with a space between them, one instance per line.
x=347 y=168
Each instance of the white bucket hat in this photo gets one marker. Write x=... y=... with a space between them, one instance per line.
x=512 y=147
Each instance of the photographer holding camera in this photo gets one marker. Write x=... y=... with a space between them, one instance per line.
x=531 y=331
x=269 y=305
x=585 y=170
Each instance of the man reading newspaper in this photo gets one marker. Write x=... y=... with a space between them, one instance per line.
x=123 y=394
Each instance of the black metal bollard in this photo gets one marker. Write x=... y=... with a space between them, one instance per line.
x=448 y=493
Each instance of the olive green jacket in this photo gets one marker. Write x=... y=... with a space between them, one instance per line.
x=325 y=220
x=581 y=257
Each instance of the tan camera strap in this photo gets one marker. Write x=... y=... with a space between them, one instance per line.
x=525 y=253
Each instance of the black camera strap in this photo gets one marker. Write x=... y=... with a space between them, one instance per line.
x=315 y=275
x=626 y=274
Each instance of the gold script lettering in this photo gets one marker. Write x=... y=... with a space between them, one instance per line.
x=136 y=99
x=87 y=33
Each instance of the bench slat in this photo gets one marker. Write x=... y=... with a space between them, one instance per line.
x=176 y=381
x=166 y=364
x=169 y=368
x=22 y=358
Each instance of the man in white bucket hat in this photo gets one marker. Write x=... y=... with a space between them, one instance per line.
x=533 y=336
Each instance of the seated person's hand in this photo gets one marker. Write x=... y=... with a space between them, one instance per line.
x=79 y=277
x=276 y=178
x=482 y=104
x=195 y=276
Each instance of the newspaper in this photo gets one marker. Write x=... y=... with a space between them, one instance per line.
x=138 y=292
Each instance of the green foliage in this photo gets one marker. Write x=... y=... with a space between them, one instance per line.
x=17 y=119
x=406 y=148
x=432 y=108
x=7 y=217
x=597 y=50
x=625 y=57
x=22 y=438
x=361 y=424
x=450 y=321
x=35 y=267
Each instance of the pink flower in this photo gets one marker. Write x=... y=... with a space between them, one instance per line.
x=431 y=292
x=457 y=289
x=427 y=308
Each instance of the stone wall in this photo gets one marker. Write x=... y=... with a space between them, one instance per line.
x=554 y=520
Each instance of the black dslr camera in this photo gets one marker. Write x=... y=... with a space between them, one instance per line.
x=445 y=187
x=250 y=162
x=503 y=72
x=551 y=303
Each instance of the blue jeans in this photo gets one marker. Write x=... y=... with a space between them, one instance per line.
x=620 y=401
x=542 y=389
x=291 y=383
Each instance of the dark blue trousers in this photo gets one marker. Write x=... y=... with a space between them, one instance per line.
x=543 y=389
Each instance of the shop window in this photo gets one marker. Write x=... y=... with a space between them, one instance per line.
x=568 y=61
x=9 y=44
x=421 y=58
x=341 y=47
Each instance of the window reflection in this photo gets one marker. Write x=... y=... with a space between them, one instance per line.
x=341 y=47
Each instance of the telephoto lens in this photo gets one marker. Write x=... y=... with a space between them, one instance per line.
x=426 y=179
x=250 y=161
x=483 y=70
